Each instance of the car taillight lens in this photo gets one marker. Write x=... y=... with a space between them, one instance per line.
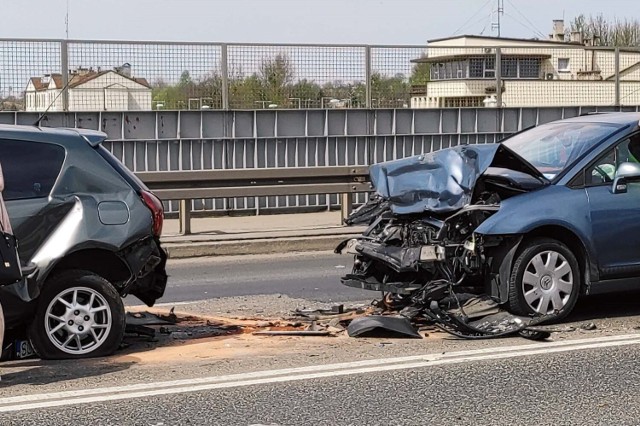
x=157 y=211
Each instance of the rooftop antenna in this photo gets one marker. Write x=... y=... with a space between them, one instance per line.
x=499 y=12
x=66 y=21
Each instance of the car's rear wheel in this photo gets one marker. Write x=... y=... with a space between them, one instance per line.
x=545 y=279
x=79 y=315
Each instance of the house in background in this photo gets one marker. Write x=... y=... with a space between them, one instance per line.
x=534 y=73
x=90 y=90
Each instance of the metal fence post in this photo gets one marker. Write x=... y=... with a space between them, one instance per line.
x=498 y=66
x=617 y=99
x=64 y=68
x=368 y=76
x=185 y=217
x=346 y=206
x=224 y=69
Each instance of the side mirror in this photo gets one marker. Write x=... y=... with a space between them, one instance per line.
x=627 y=172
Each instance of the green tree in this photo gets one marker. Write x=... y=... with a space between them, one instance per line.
x=208 y=90
x=185 y=79
x=171 y=97
x=421 y=73
x=276 y=76
x=389 y=92
x=245 y=92
x=307 y=91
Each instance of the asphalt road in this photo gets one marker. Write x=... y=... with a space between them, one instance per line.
x=312 y=276
x=585 y=387
x=299 y=382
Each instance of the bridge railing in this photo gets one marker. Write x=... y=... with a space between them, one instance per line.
x=189 y=185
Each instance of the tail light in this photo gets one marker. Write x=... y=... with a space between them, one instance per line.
x=157 y=211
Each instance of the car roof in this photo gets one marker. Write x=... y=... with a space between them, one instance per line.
x=618 y=118
x=50 y=134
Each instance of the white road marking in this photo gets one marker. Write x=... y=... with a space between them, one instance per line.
x=99 y=395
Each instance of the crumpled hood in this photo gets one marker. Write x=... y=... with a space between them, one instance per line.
x=441 y=181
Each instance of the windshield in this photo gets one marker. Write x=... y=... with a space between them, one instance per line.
x=551 y=147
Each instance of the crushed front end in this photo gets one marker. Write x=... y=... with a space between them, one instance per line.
x=421 y=250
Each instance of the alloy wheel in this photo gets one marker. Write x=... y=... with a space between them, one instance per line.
x=78 y=320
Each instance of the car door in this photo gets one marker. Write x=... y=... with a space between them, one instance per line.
x=30 y=171
x=615 y=218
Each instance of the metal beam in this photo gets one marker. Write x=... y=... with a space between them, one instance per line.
x=259 y=191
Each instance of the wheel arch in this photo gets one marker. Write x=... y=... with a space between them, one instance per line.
x=573 y=242
x=102 y=262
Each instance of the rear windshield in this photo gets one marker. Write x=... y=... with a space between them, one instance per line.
x=131 y=179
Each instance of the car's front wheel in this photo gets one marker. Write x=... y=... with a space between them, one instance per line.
x=545 y=279
x=79 y=315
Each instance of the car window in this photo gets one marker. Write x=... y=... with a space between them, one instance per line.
x=603 y=171
x=30 y=168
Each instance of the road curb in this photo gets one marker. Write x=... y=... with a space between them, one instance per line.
x=255 y=246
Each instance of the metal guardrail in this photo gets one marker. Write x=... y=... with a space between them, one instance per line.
x=188 y=185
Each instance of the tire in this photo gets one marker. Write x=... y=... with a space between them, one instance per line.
x=552 y=279
x=99 y=330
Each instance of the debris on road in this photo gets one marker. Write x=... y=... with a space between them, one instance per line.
x=425 y=251
x=382 y=326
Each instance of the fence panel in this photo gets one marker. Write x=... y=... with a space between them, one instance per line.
x=144 y=76
x=26 y=65
x=270 y=76
x=393 y=74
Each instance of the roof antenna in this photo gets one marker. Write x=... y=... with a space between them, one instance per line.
x=44 y=113
x=66 y=21
x=499 y=11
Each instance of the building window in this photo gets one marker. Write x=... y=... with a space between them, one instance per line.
x=509 y=68
x=529 y=68
x=476 y=68
x=489 y=67
x=485 y=68
x=563 y=65
x=449 y=70
x=464 y=102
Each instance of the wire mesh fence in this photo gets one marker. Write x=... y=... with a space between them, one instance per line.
x=77 y=75
x=265 y=76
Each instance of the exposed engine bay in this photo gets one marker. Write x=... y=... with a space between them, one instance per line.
x=421 y=249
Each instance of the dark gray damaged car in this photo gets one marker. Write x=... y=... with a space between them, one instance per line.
x=88 y=231
x=530 y=224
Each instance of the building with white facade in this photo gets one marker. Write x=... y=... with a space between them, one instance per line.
x=89 y=90
x=534 y=73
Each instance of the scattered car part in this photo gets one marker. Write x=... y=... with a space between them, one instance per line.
x=378 y=325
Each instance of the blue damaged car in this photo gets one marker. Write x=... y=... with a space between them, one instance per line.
x=535 y=221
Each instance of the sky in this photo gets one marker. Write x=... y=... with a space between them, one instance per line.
x=396 y=22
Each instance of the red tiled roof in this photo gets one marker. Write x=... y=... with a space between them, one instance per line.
x=76 y=80
x=37 y=83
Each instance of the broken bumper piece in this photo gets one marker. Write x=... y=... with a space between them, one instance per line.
x=357 y=281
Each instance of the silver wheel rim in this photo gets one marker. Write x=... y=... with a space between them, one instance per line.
x=547 y=282
x=78 y=320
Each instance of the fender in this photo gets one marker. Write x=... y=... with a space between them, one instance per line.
x=554 y=205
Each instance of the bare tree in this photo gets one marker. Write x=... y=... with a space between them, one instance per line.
x=619 y=32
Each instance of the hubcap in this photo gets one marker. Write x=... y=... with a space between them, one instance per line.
x=547 y=282
x=78 y=320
